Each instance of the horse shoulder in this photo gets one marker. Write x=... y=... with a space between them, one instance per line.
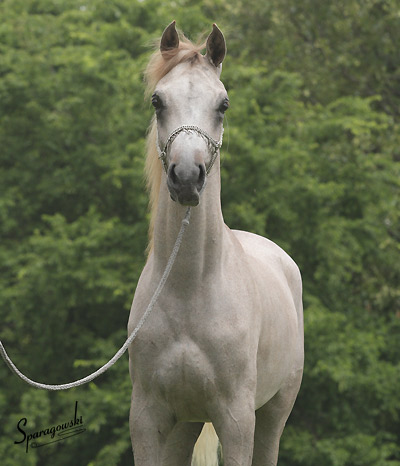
x=281 y=347
x=269 y=256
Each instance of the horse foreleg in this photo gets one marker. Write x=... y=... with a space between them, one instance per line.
x=234 y=424
x=270 y=422
x=179 y=448
x=150 y=427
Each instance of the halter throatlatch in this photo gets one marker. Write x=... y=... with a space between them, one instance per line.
x=213 y=145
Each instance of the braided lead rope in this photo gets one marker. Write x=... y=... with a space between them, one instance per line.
x=132 y=336
x=212 y=143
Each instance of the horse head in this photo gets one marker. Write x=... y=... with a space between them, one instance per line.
x=190 y=102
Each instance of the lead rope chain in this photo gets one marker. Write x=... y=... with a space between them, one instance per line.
x=132 y=336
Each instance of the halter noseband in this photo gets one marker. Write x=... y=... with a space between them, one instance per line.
x=213 y=145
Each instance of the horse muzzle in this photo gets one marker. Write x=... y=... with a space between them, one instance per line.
x=186 y=182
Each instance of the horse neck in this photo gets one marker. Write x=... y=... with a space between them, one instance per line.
x=203 y=243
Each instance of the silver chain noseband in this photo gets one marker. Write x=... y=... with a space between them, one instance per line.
x=213 y=145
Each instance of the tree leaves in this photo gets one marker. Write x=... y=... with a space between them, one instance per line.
x=312 y=163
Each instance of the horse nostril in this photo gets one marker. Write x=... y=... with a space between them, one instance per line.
x=173 y=176
x=202 y=177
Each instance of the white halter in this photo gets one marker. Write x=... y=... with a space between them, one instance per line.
x=213 y=145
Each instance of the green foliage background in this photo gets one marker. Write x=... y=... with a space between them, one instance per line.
x=311 y=160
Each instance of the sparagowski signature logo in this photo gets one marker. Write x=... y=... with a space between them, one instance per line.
x=51 y=434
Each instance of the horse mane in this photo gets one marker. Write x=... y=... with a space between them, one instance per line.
x=160 y=64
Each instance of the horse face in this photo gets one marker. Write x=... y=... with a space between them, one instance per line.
x=190 y=94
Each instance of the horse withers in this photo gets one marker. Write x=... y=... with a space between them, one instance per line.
x=224 y=345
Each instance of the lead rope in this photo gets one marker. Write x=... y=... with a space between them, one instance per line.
x=132 y=336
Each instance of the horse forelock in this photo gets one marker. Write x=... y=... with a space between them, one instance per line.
x=160 y=64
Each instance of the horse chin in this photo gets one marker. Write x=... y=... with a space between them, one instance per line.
x=190 y=202
x=186 y=199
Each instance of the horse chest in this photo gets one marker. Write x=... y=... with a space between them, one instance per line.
x=189 y=358
x=189 y=376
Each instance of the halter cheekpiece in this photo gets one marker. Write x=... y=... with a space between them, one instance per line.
x=213 y=145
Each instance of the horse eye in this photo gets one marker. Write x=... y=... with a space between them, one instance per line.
x=156 y=101
x=224 y=105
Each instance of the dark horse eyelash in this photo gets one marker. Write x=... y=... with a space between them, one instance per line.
x=156 y=101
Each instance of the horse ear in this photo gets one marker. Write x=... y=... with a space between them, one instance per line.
x=216 y=46
x=170 y=38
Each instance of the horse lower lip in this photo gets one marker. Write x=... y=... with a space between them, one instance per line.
x=192 y=200
x=186 y=195
x=193 y=203
x=189 y=202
